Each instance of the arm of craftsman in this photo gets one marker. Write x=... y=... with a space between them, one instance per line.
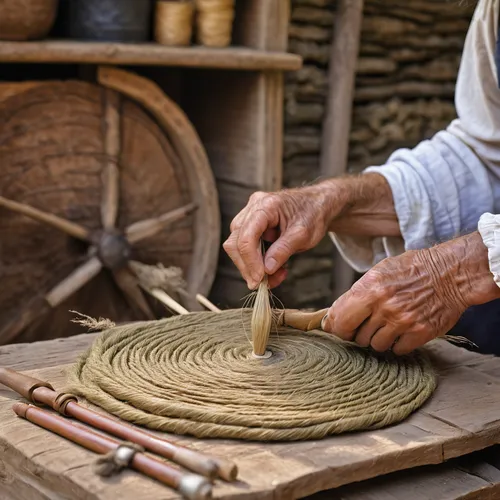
x=408 y=300
x=295 y=220
x=442 y=187
x=432 y=193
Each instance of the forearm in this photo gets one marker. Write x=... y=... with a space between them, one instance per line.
x=368 y=206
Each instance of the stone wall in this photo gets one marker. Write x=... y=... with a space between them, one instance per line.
x=406 y=71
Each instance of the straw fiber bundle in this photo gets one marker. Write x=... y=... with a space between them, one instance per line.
x=196 y=374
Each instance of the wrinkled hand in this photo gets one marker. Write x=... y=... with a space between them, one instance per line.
x=404 y=302
x=293 y=220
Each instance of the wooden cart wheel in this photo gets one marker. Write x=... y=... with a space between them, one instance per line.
x=91 y=176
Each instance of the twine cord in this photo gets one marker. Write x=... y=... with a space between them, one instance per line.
x=214 y=22
x=195 y=374
x=173 y=22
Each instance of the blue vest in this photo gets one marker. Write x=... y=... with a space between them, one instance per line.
x=481 y=324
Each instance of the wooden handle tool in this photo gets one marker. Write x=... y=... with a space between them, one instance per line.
x=191 y=486
x=39 y=392
x=301 y=320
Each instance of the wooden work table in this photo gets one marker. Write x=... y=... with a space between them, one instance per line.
x=462 y=417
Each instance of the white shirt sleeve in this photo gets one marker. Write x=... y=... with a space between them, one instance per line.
x=443 y=186
x=489 y=229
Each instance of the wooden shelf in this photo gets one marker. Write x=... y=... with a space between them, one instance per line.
x=237 y=58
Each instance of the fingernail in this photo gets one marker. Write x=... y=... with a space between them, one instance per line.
x=252 y=285
x=271 y=265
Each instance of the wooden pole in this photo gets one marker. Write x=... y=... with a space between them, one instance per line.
x=168 y=301
x=40 y=392
x=337 y=121
x=205 y=302
x=139 y=231
x=191 y=486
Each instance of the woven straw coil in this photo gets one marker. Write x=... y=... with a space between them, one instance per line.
x=195 y=375
x=174 y=22
x=214 y=22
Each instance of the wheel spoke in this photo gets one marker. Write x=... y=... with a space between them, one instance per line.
x=111 y=175
x=149 y=227
x=128 y=284
x=39 y=306
x=76 y=280
x=55 y=221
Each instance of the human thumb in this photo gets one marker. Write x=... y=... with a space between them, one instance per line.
x=279 y=253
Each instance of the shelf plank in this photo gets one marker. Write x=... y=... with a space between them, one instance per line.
x=65 y=51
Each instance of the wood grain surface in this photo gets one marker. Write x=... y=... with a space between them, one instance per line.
x=461 y=417
x=68 y=51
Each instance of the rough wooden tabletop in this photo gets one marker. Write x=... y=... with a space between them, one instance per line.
x=461 y=417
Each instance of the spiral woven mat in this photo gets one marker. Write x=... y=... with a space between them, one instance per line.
x=195 y=375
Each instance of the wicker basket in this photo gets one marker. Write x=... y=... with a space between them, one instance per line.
x=26 y=19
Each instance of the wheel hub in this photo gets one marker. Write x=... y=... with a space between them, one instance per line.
x=113 y=249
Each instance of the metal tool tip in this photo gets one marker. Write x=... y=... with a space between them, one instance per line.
x=195 y=487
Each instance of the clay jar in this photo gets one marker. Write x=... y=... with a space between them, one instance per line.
x=109 y=20
x=26 y=19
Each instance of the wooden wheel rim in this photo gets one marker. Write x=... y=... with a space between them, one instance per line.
x=186 y=147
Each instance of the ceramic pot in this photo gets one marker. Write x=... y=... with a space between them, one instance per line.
x=109 y=20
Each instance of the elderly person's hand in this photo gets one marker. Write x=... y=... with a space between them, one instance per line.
x=405 y=301
x=296 y=220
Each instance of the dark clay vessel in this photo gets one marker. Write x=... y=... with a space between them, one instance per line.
x=109 y=20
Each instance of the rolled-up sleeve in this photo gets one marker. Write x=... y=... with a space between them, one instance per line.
x=440 y=189
x=489 y=229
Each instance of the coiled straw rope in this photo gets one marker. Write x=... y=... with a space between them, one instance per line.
x=173 y=22
x=214 y=22
x=196 y=374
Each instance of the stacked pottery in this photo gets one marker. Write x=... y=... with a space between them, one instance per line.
x=26 y=19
